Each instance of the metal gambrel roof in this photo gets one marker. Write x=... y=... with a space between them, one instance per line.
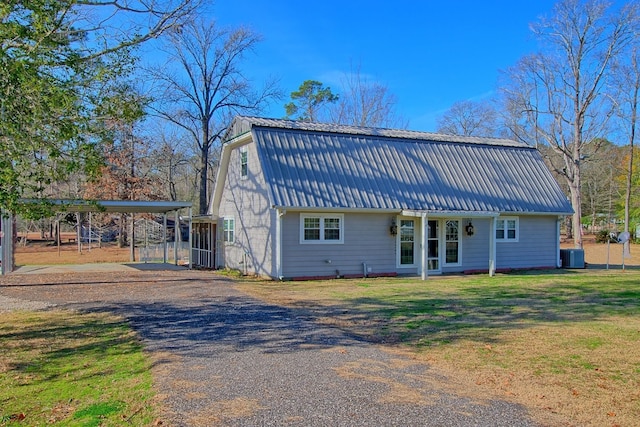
x=310 y=165
x=243 y=124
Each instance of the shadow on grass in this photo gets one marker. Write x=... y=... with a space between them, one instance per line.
x=209 y=318
x=481 y=311
x=63 y=346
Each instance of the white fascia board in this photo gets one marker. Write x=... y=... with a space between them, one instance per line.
x=560 y=214
x=223 y=169
x=450 y=214
x=334 y=210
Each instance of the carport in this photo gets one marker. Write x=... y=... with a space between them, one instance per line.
x=7 y=235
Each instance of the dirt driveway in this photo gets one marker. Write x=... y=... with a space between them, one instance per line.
x=224 y=358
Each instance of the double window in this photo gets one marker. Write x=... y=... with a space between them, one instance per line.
x=315 y=228
x=507 y=229
x=229 y=230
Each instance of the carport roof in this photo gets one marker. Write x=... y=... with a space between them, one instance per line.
x=121 y=206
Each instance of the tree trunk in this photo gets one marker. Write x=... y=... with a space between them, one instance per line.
x=204 y=171
x=627 y=197
x=576 y=201
x=204 y=166
x=568 y=225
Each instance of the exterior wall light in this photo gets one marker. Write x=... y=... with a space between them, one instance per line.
x=469 y=228
x=393 y=229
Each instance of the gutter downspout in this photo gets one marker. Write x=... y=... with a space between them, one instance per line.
x=423 y=249
x=558 y=260
x=280 y=213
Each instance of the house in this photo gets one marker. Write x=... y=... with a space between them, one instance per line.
x=308 y=200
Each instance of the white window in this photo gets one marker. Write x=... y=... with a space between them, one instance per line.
x=244 y=165
x=407 y=242
x=507 y=229
x=229 y=230
x=452 y=242
x=316 y=228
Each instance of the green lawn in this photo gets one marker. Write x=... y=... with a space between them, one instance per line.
x=564 y=343
x=65 y=368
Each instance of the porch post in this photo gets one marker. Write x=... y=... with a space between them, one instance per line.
x=279 y=213
x=423 y=247
x=492 y=246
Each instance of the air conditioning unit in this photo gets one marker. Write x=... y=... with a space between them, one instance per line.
x=572 y=258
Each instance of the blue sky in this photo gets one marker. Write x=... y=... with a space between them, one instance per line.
x=429 y=54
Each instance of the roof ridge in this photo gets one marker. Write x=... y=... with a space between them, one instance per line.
x=250 y=121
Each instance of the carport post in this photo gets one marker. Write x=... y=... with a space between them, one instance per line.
x=164 y=238
x=176 y=237
x=7 y=242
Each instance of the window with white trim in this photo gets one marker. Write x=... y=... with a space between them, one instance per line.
x=316 y=228
x=407 y=242
x=507 y=229
x=244 y=162
x=452 y=242
x=229 y=230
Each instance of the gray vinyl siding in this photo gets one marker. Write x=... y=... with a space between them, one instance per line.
x=474 y=249
x=537 y=246
x=246 y=200
x=366 y=240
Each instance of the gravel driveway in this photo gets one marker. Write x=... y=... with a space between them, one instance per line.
x=224 y=358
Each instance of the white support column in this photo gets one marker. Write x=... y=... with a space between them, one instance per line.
x=164 y=238
x=423 y=247
x=492 y=246
x=176 y=237
x=280 y=214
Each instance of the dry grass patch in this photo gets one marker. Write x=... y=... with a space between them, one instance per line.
x=564 y=344
x=43 y=253
x=222 y=411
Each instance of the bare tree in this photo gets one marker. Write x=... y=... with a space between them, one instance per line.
x=627 y=90
x=363 y=102
x=208 y=86
x=172 y=160
x=470 y=118
x=559 y=91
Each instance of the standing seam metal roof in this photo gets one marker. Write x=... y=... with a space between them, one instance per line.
x=311 y=165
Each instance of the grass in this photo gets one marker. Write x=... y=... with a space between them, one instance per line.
x=66 y=368
x=566 y=345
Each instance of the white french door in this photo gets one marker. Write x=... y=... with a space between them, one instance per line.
x=433 y=246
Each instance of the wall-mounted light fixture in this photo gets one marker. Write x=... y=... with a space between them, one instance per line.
x=393 y=229
x=469 y=229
